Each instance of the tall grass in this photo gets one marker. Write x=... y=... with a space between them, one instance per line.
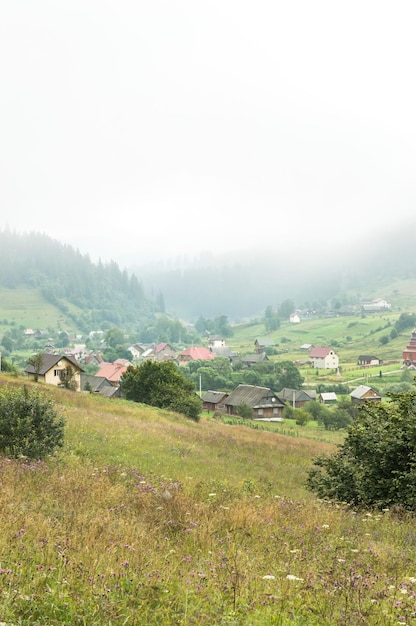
x=147 y=518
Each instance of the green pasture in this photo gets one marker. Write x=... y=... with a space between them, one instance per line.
x=29 y=309
x=146 y=518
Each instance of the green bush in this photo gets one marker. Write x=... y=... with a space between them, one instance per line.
x=29 y=425
x=376 y=464
x=162 y=385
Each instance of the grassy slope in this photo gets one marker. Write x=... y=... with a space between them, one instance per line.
x=28 y=308
x=148 y=518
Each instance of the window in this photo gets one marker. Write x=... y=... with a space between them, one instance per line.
x=260 y=412
x=57 y=373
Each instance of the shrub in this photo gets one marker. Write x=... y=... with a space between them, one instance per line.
x=302 y=417
x=245 y=411
x=29 y=425
x=376 y=464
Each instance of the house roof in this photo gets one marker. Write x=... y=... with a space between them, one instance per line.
x=96 y=382
x=328 y=396
x=367 y=357
x=253 y=396
x=320 y=353
x=255 y=358
x=198 y=352
x=360 y=391
x=286 y=395
x=49 y=361
x=112 y=371
x=265 y=341
x=161 y=346
x=213 y=397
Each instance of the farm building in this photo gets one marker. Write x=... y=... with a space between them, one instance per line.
x=262 y=400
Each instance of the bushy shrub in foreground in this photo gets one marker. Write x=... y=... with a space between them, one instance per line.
x=29 y=424
x=376 y=464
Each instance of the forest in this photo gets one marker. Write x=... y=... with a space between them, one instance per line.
x=101 y=294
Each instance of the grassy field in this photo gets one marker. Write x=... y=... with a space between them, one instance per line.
x=28 y=308
x=148 y=518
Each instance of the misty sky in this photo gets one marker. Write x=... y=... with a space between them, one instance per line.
x=141 y=130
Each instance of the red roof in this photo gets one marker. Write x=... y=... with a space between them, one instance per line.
x=160 y=346
x=197 y=353
x=320 y=353
x=112 y=371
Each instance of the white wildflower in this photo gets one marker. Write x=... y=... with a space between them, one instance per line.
x=269 y=577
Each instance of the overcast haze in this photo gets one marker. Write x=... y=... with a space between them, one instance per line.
x=141 y=130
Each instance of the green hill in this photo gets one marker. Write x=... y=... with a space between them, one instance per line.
x=148 y=518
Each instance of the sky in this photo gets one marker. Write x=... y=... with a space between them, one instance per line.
x=144 y=130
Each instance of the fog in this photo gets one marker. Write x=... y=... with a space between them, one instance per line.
x=154 y=131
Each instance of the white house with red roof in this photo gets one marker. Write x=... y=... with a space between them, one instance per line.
x=195 y=353
x=323 y=358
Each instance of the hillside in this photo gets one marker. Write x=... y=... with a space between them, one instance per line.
x=61 y=283
x=148 y=518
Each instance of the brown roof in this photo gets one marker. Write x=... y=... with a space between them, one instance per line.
x=49 y=361
x=253 y=396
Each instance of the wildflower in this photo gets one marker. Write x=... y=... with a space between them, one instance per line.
x=269 y=577
x=211 y=495
x=325 y=525
x=292 y=577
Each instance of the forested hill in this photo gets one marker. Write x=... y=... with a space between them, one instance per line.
x=103 y=292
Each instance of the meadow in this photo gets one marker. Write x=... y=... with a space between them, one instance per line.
x=145 y=517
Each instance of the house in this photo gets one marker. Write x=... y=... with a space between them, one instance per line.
x=195 y=354
x=215 y=341
x=323 y=358
x=375 y=306
x=262 y=400
x=409 y=353
x=224 y=351
x=214 y=400
x=51 y=368
x=296 y=397
x=252 y=359
x=113 y=372
x=262 y=343
x=100 y=385
x=362 y=393
x=136 y=350
x=366 y=360
x=327 y=397
x=93 y=358
x=164 y=352
x=294 y=318
x=306 y=347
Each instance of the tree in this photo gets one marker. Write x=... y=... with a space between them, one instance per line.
x=376 y=464
x=68 y=378
x=288 y=375
x=29 y=425
x=162 y=385
x=286 y=308
x=36 y=361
